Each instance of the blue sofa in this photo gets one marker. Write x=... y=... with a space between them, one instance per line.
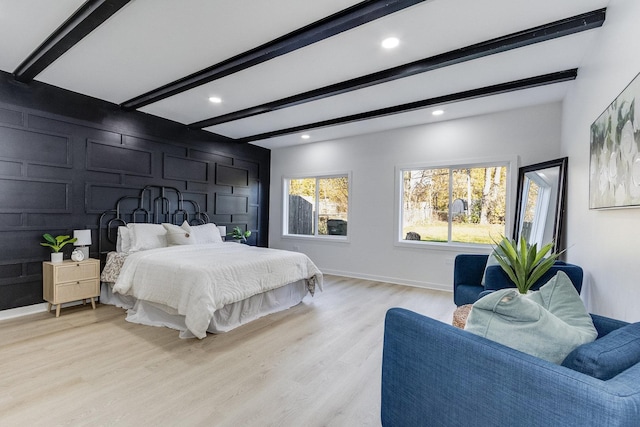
x=468 y=270
x=434 y=374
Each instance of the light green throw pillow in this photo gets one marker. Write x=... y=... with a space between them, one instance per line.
x=548 y=323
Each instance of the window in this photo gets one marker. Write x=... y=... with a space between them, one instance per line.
x=316 y=206
x=457 y=204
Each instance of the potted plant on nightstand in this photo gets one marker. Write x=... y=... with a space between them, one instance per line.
x=238 y=235
x=56 y=243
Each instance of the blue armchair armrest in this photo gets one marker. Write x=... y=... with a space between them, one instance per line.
x=436 y=375
x=468 y=270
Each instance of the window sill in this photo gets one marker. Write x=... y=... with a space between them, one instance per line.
x=451 y=247
x=324 y=239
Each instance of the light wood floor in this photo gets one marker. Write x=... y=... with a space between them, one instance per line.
x=317 y=364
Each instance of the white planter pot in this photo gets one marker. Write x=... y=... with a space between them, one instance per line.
x=56 y=256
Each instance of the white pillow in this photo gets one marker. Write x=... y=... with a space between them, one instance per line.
x=179 y=234
x=207 y=233
x=491 y=261
x=147 y=236
x=123 y=242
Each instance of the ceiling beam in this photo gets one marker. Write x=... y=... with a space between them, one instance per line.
x=546 y=79
x=86 y=19
x=531 y=36
x=337 y=23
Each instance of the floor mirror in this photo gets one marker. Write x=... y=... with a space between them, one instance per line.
x=540 y=203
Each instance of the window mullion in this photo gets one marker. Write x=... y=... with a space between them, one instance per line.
x=316 y=216
x=449 y=225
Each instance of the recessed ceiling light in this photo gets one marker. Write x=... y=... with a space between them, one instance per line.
x=437 y=112
x=305 y=136
x=390 y=42
x=215 y=100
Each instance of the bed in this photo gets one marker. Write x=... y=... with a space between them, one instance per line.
x=186 y=277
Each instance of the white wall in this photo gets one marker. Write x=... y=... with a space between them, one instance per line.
x=531 y=133
x=606 y=243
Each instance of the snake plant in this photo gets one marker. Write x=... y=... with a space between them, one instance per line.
x=524 y=263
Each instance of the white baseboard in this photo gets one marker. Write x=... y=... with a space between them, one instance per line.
x=30 y=309
x=41 y=308
x=393 y=280
x=23 y=311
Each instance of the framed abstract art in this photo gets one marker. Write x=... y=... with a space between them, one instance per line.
x=614 y=166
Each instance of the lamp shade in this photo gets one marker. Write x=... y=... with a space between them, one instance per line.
x=83 y=236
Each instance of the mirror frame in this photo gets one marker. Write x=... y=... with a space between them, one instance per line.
x=558 y=215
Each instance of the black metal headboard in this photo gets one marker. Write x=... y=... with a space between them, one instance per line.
x=155 y=205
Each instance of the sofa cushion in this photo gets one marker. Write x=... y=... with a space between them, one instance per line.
x=608 y=356
x=548 y=323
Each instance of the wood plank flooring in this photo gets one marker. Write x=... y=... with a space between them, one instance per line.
x=317 y=364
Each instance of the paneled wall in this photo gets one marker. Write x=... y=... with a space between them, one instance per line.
x=66 y=158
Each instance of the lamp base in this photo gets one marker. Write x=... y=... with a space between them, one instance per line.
x=84 y=250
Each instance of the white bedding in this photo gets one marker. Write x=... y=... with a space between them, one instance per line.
x=197 y=280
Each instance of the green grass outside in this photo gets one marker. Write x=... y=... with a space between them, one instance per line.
x=461 y=233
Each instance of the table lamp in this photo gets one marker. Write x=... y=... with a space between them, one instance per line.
x=83 y=242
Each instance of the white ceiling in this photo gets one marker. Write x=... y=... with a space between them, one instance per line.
x=149 y=43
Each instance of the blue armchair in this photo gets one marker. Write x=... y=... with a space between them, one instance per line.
x=434 y=374
x=468 y=270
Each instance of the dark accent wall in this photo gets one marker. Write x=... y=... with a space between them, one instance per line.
x=65 y=158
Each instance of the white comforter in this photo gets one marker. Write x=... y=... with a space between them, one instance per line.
x=197 y=280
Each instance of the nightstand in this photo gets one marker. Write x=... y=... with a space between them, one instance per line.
x=70 y=281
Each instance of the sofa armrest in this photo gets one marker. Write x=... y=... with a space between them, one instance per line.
x=604 y=325
x=437 y=375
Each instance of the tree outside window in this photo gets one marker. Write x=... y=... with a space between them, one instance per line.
x=454 y=204
x=317 y=206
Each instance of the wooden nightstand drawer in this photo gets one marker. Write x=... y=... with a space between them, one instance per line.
x=73 y=291
x=74 y=271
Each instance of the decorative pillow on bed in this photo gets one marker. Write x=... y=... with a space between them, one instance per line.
x=179 y=234
x=147 y=236
x=206 y=233
x=548 y=323
x=123 y=243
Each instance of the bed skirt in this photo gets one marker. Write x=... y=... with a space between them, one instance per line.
x=225 y=319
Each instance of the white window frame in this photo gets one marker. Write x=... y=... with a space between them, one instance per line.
x=315 y=236
x=541 y=208
x=511 y=163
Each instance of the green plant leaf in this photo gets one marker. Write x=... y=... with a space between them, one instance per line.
x=539 y=270
x=56 y=243
x=523 y=263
